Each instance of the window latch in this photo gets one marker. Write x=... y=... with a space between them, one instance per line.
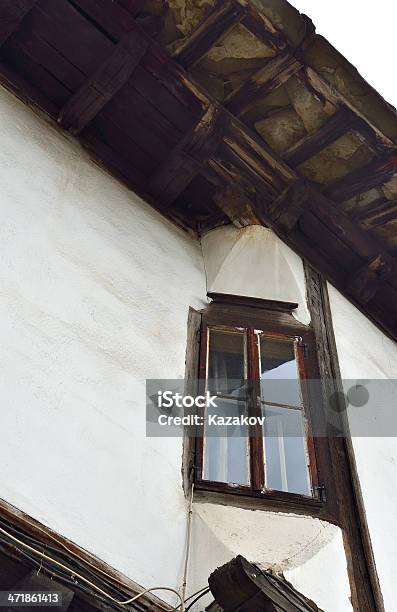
x=321 y=492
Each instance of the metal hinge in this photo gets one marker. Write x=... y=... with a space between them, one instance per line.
x=321 y=492
x=306 y=350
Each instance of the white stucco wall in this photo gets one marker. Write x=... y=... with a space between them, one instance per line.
x=95 y=291
x=366 y=354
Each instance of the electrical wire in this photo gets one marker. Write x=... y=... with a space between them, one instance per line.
x=73 y=573
x=196 y=600
x=189 y=541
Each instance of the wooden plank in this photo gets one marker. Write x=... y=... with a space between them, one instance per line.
x=224 y=16
x=336 y=126
x=35 y=75
x=191 y=388
x=87 y=48
x=363 y=179
x=89 y=100
x=276 y=72
x=112 y=17
x=189 y=156
x=12 y=13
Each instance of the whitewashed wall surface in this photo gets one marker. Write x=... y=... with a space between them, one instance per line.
x=95 y=290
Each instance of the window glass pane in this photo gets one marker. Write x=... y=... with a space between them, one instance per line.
x=226 y=362
x=279 y=371
x=286 y=459
x=226 y=447
x=285 y=443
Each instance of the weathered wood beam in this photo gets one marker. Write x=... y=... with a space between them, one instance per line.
x=276 y=72
x=327 y=93
x=365 y=282
x=225 y=15
x=189 y=156
x=287 y=209
x=363 y=179
x=262 y=27
x=12 y=13
x=336 y=126
x=89 y=100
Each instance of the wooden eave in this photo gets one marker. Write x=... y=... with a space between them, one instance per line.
x=135 y=91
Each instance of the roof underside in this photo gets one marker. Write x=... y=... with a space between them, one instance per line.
x=229 y=111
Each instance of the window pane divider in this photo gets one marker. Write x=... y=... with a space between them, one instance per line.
x=255 y=409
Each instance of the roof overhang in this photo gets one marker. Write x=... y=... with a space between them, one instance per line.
x=229 y=111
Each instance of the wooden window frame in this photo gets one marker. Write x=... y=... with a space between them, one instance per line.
x=276 y=320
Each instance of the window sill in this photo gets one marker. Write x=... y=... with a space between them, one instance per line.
x=289 y=503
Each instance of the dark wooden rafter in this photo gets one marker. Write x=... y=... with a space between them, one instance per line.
x=189 y=156
x=89 y=100
x=12 y=14
x=274 y=74
x=363 y=179
x=225 y=15
x=366 y=282
x=339 y=124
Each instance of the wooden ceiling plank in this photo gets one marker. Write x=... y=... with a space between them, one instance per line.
x=110 y=16
x=363 y=179
x=89 y=100
x=12 y=13
x=274 y=74
x=225 y=15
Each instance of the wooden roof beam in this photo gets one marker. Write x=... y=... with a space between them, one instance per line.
x=274 y=74
x=336 y=126
x=225 y=15
x=364 y=284
x=89 y=100
x=363 y=179
x=189 y=157
x=12 y=13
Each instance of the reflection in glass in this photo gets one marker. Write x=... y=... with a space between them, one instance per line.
x=226 y=361
x=226 y=448
x=286 y=458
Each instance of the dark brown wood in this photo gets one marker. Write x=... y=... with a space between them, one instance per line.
x=262 y=27
x=238 y=300
x=224 y=16
x=191 y=388
x=240 y=586
x=12 y=13
x=86 y=103
x=255 y=409
x=189 y=156
x=365 y=282
x=286 y=210
x=270 y=501
x=335 y=127
x=364 y=583
x=276 y=72
x=372 y=175
x=339 y=124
